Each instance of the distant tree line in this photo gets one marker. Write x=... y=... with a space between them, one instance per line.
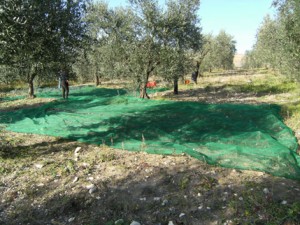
x=278 y=41
x=133 y=43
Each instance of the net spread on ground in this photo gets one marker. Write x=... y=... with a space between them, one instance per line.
x=230 y=135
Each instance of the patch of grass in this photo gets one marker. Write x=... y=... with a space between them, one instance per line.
x=291 y=114
x=107 y=156
x=261 y=208
x=269 y=87
x=184 y=182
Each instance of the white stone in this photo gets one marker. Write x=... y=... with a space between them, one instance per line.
x=71 y=219
x=135 y=223
x=90 y=186
x=181 y=215
x=39 y=166
x=119 y=222
x=77 y=150
x=266 y=190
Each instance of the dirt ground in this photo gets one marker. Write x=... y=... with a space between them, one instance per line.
x=48 y=180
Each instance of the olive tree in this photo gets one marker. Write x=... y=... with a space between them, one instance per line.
x=36 y=36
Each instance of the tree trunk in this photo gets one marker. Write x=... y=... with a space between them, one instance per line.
x=97 y=80
x=30 y=88
x=143 y=91
x=175 y=86
x=30 y=78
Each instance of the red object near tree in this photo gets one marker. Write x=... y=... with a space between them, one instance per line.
x=151 y=84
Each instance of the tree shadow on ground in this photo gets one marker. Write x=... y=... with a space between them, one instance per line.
x=236 y=136
x=157 y=191
x=11 y=150
x=81 y=99
x=246 y=94
x=219 y=134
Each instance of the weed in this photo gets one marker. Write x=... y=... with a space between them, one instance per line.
x=184 y=182
x=261 y=208
x=107 y=157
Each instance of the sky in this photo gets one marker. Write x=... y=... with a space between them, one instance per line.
x=239 y=18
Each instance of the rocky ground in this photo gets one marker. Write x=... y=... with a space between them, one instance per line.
x=46 y=180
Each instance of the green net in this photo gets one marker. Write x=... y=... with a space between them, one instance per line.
x=230 y=135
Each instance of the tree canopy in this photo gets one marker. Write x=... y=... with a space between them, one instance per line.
x=277 y=43
x=40 y=34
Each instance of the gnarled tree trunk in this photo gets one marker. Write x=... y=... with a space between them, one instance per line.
x=31 y=87
x=97 y=80
x=143 y=90
x=175 y=86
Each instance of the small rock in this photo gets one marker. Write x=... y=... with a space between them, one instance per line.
x=228 y=222
x=200 y=207
x=77 y=150
x=170 y=223
x=135 y=223
x=165 y=202
x=92 y=190
x=241 y=198
x=119 y=222
x=39 y=166
x=181 y=215
x=143 y=199
x=266 y=191
x=85 y=165
x=75 y=179
x=71 y=219
x=156 y=198
x=284 y=202
x=90 y=186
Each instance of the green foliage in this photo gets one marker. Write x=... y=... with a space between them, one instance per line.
x=221 y=50
x=140 y=40
x=278 y=44
x=38 y=35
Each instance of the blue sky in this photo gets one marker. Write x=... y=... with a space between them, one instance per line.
x=239 y=18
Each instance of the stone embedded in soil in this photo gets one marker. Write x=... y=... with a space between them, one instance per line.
x=266 y=190
x=92 y=188
x=39 y=166
x=77 y=150
x=119 y=222
x=181 y=215
x=71 y=219
x=135 y=223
